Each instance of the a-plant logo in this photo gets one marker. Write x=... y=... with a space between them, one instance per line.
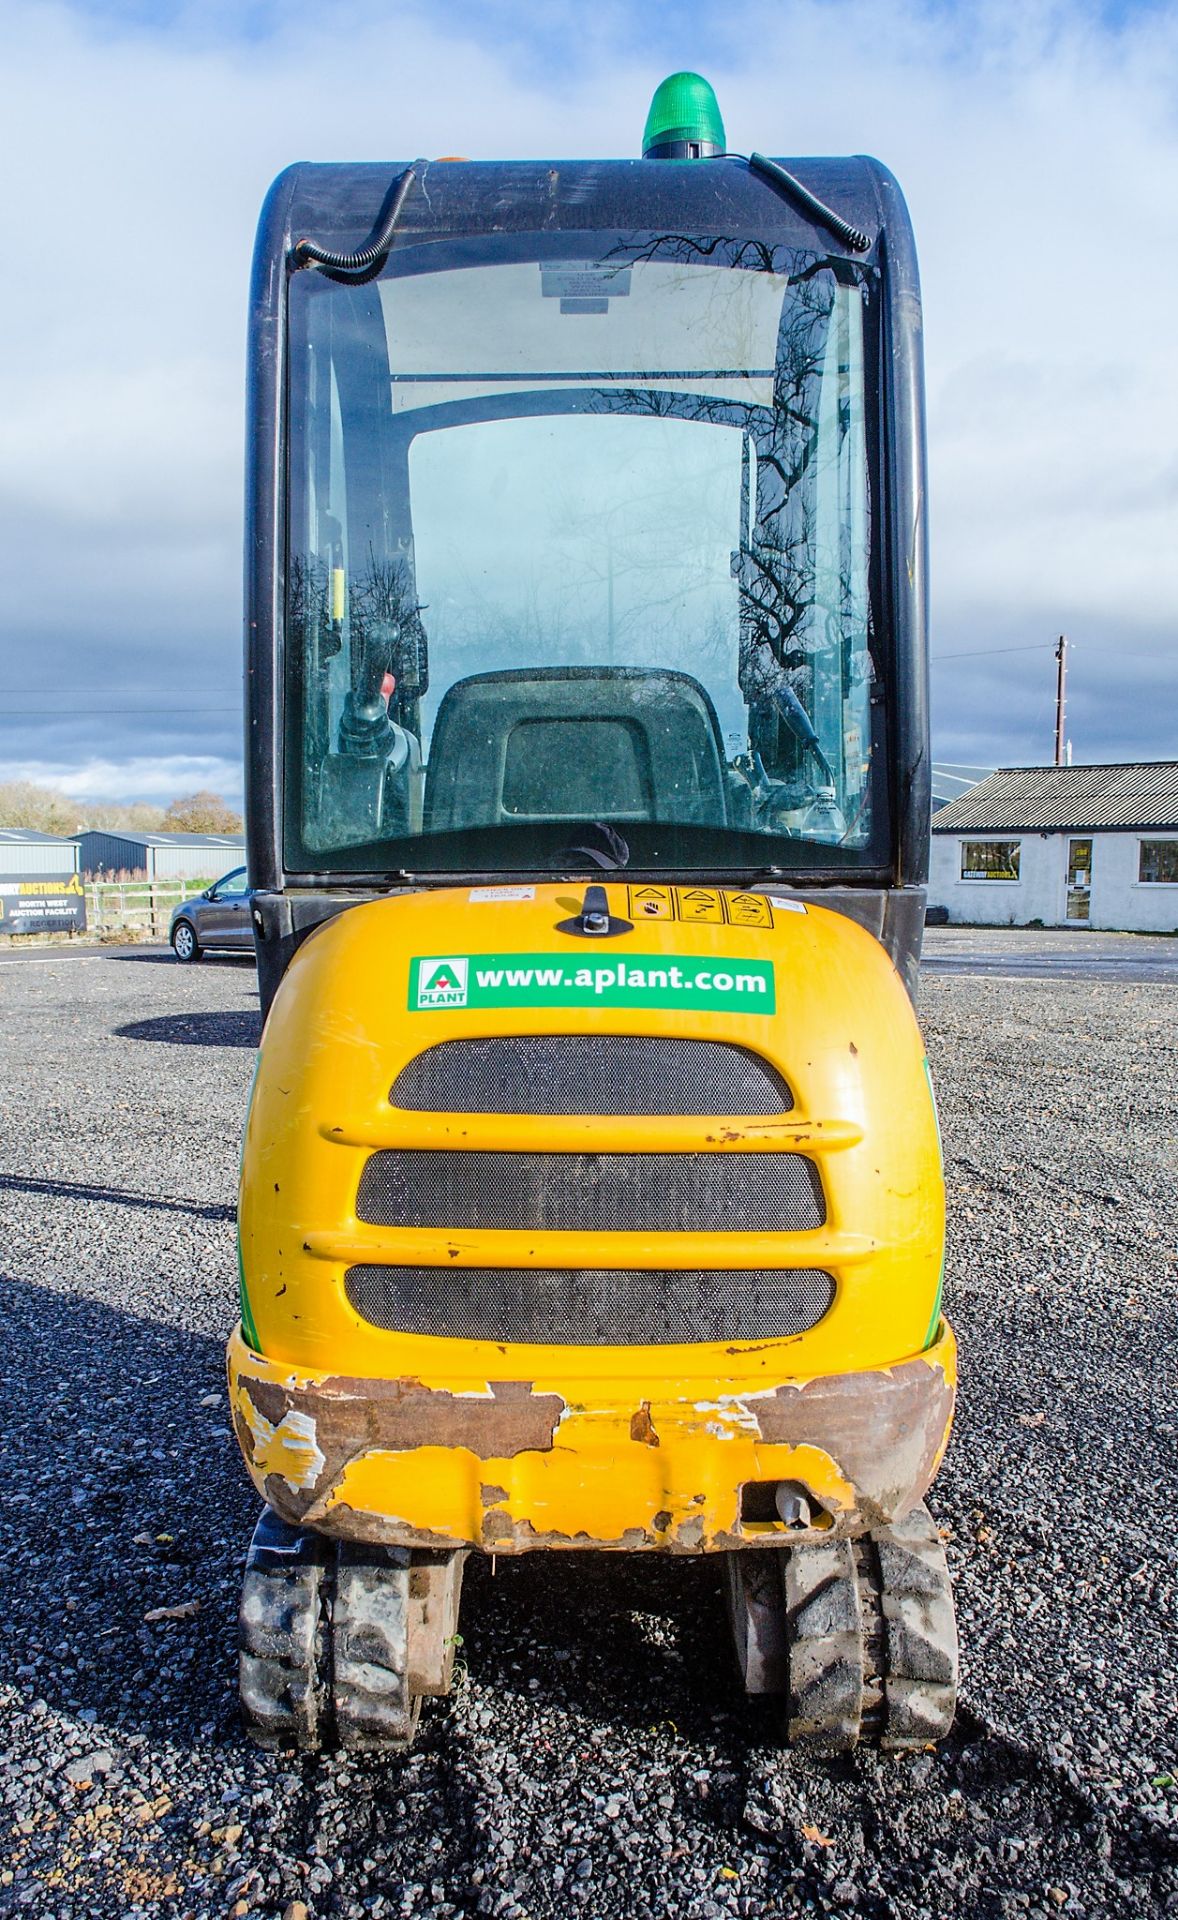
x=442 y=983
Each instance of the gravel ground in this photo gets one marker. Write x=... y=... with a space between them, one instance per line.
x=596 y=1757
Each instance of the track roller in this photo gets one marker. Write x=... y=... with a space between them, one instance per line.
x=859 y=1635
x=339 y=1643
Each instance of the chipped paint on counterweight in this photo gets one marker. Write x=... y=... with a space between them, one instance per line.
x=515 y=1467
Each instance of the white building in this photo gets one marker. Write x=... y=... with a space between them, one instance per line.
x=1054 y=845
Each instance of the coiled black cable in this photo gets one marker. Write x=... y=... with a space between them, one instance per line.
x=305 y=253
x=853 y=237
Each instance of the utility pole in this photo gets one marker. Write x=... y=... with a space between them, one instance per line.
x=1061 y=697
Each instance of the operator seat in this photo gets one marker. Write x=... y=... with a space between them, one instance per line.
x=561 y=743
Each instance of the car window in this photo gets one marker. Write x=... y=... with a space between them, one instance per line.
x=231 y=885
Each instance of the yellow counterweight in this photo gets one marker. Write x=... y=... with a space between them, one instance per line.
x=431 y=1438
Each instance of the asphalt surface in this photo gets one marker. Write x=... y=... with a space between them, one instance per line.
x=596 y=1757
x=1052 y=953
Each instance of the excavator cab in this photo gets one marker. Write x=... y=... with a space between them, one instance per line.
x=591 y=1191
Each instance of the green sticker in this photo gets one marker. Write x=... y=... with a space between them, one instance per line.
x=563 y=980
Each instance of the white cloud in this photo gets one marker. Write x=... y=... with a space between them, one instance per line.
x=139 y=777
x=1037 y=146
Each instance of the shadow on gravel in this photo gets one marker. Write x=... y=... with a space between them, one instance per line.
x=635 y=1637
x=197 y=1029
x=114 y=1196
x=106 y=1439
x=163 y=956
x=632 y=1652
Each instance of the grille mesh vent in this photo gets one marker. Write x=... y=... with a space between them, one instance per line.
x=592 y=1192
x=591 y=1306
x=590 y=1073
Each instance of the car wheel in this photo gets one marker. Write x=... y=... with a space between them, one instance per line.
x=185 y=944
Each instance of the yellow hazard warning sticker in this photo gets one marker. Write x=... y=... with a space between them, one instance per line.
x=748 y=910
x=703 y=906
x=651 y=903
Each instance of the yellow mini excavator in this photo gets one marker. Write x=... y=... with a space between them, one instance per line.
x=591 y=1194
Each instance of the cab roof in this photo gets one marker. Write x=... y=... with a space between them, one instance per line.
x=338 y=205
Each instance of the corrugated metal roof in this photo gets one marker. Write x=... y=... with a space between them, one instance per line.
x=1141 y=794
x=234 y=840
x=34 y=833
x=192 y=839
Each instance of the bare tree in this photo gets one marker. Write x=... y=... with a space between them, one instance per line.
x=42 y=809
x=121 y=816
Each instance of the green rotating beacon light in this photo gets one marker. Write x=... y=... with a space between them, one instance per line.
x=684 y=121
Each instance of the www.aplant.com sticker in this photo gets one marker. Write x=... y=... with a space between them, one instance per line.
x=550 y=980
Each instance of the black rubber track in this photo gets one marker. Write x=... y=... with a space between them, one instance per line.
x=859 y=1635
x=323 y=1635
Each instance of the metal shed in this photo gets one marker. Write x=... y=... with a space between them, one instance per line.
x=24 y=851
x=160 y=856
x=40 y=891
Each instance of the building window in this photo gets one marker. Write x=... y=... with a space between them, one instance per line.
x=1079 y=905
x=1079 y=863
x=990 y=859
x=1159 y=861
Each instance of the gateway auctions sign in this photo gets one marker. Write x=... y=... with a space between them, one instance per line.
x=42 y=903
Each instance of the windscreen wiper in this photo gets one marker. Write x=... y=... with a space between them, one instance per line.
x=599 y=846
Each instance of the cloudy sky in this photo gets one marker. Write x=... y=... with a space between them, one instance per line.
x=1037 y=145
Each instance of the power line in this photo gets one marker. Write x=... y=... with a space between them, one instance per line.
x=52 y=687
x=1047 y=646
x=142 y=713
x=979 y=653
